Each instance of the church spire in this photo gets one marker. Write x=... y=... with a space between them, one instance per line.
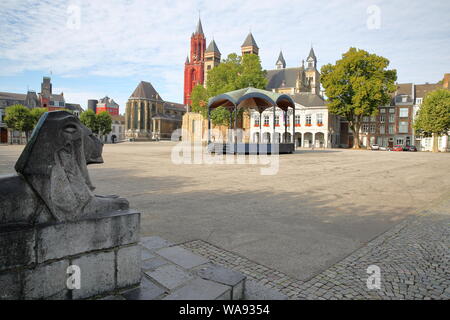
x=312 y=60
x=281 y=63
x=199 y=29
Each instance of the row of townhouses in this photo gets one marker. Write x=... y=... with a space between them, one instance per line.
x=47 y=99
x=315 y=126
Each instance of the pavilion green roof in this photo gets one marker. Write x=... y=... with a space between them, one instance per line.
x=251 y=98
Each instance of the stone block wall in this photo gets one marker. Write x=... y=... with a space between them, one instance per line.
x=34 y=260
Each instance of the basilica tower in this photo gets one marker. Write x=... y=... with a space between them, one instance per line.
x=312 y=74
x=249 y=46
x=194 y=65
x=212 y=58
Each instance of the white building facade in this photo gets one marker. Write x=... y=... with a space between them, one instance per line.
x=117 y=130
x=314 y=125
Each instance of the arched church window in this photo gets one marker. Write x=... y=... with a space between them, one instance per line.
x=135 y=115
x=142 y=115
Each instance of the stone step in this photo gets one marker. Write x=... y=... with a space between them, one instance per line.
x=170 y=272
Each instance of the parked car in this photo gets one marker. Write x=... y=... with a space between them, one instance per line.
x=384 y=148
x=397 y=148
x=412 y=148
x=375 y=147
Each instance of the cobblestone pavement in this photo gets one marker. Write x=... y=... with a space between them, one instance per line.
x=413 y=257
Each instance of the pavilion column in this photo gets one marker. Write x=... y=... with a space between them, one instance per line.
x=285 y=125
x=293 y=125
x=235 y=127
x=229 y=128
x=260 y=127
x=209 y=125
x=273 y=123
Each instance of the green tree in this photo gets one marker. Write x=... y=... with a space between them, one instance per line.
x=356 y=86
x=433 y=119
x=199 y=97
x=223 y=78
x=89 y=119
x=252 y=74
x=103 y=123
x=233 y=73
x=220 y=116
x=36 y=113
x=19 y=118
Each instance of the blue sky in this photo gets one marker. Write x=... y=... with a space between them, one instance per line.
x=115 y=44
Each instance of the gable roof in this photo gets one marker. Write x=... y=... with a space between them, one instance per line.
x=278 y=78
x=57 y=97
x=174 y=106
x=423 y=89
x=308 y=99
x=145 y=90
x=212 y=47
x=249 y=41
x=12 y=96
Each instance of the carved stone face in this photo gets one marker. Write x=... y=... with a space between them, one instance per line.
x=55 y=160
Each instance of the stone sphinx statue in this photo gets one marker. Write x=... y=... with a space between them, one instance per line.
x=52 y=183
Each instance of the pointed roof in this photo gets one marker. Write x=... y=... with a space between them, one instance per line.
x=311 y=54
x=187 y=59
x=281 y=60
x=212 y=47
x=145 y=90
x=199 y=29
x=249 y=41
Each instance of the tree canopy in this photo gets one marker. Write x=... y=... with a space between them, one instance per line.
x=19 y=117
x=89 y=119
x=357 y=85
x=100 y=123
x=233 y=73
x=36 y=114
x=104 y=123
x=199 y=97
x=433 y=118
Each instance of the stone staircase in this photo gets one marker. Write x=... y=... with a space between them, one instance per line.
x=170 y=272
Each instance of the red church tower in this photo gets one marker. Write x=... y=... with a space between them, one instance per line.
x=194 y=66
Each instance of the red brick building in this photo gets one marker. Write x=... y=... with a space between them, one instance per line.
x=107 y=104
x=194 y=65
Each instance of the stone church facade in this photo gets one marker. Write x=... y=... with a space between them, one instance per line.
x=149 y=117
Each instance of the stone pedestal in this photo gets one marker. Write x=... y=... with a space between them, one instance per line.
x=34 y=260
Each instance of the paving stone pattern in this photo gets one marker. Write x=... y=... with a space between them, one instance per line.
x=171 y=272
x=413 y=257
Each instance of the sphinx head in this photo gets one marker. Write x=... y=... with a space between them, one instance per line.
x=54 y=162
